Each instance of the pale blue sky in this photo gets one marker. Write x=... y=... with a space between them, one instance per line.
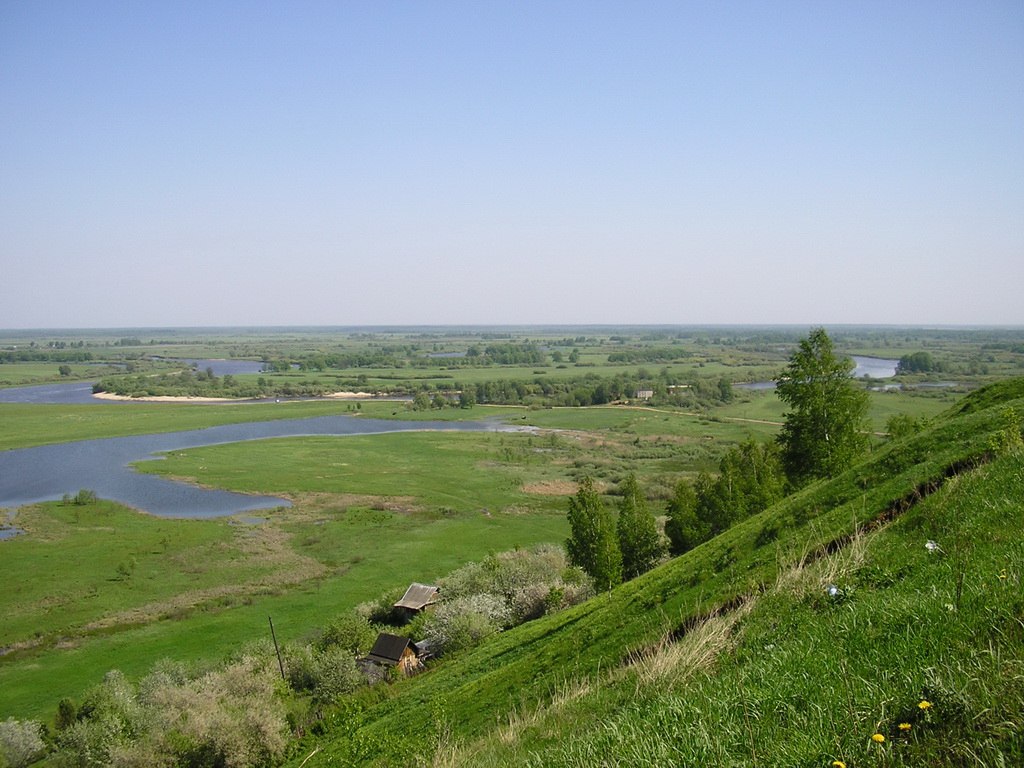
x=339 y=163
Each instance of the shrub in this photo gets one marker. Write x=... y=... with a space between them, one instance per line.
x=325 y=673
x=350 y=631
x=21 y=742
x=227 y=717
x=465 y=621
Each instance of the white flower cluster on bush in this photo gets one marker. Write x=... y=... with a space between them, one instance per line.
x=502 y=591
x=21 y=742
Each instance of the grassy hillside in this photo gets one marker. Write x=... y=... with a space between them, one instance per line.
x=740 y=653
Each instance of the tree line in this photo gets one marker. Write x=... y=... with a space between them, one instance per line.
x=824 y=433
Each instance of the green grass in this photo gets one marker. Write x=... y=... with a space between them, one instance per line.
x=805 y=679
x=399 y=508
x=461 y=471
x=77 y=564
x=27 y=374
x=25 y=425
x=768 y=714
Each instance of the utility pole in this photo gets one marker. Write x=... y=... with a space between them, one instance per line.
x=276 y=647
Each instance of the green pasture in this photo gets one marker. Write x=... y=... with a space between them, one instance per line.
x=77 y=564
x=908 y=628
x=94 y=587
x=27 y=374
x=25 y=425
x=460 y=471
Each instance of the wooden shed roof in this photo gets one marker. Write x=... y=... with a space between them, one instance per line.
x=389 y=649
x=418 y=596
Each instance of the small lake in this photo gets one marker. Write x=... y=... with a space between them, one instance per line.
x=46 y=473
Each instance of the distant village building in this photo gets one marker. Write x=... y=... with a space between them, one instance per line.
x=644 y=394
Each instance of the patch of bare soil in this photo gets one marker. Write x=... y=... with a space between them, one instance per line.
x=551 y=488
x=314 y=505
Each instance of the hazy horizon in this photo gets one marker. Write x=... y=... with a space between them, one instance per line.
x=212 y=165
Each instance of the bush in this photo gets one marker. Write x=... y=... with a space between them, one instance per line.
x=465 y=621
x=21 y=742
x=383 y=611
x=350 y=631
x=227 y=717
x=325 y=674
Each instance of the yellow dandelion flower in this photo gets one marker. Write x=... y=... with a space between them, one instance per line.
x=1003 y=574
x=838 y=764
x=925 y=704
x=878 y=738
x=904 y=726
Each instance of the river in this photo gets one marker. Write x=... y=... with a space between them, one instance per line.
x=873 y=367
x=45 y=473
x=80 y=392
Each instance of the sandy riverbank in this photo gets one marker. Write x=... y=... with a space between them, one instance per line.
x=190 y=399
x=165 y=398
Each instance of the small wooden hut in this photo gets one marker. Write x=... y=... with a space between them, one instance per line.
x=394 y=651
x=418 y=597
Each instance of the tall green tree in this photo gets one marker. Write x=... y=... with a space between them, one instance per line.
x=825 y=430
x=683 y=528
x=637 y=530
x=592 y=544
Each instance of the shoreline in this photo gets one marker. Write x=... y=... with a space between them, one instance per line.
x=198 y=399
x=165 y=398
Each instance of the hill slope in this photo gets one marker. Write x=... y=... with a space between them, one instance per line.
x=791 y=639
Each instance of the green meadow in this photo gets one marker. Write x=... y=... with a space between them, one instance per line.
x=871 y=619
x=93 y=587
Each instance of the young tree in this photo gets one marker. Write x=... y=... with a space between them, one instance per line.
x=684 y=530
x=824 y=433
x=639 y=541
x=592 y=543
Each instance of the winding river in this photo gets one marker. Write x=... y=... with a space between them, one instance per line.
x=45 y=473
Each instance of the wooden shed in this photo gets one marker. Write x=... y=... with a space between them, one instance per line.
x=394 y=651
x=418 y=596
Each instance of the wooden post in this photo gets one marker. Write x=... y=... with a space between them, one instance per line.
x=276 y=648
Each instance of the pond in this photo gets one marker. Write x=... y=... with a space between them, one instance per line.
x=48 y=472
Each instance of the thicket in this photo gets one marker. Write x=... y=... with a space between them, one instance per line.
x=230 y=716
x=45 y=356
x=649 y=355
x=197 y=383
x=750 y=479
x=501 y=591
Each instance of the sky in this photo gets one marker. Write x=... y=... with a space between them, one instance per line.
x=357 y=162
